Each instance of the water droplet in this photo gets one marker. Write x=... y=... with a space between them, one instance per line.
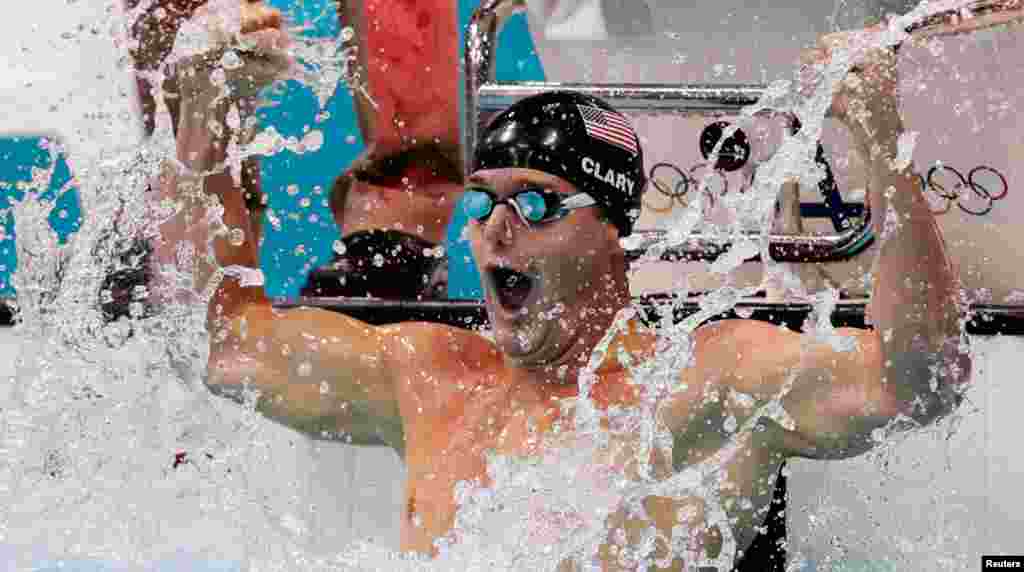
x=730 y=424
x=230 y=60
x=339 y=247
x=313 y=140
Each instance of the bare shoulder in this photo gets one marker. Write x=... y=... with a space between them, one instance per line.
x=747 y=352
x=763 y=337
x=740 y=338
x=420 y=341
x=435 y=360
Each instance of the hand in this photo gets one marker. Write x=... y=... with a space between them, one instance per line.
x=865 y=100
x=156 y=28
x=240 y=43
x=223 y=56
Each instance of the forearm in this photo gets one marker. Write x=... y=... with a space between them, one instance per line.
x=209 y=122
x=209 y=132
x=199 y=185
x=914 y=303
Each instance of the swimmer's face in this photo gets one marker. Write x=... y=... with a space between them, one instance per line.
x=411 y=189
x=542 y=283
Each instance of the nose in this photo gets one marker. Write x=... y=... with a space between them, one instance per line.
x=499 y=227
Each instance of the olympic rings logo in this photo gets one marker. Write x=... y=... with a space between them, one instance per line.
x=972 y=194
x=671 y=182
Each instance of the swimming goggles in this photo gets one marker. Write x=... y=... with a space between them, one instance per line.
x=534 y=205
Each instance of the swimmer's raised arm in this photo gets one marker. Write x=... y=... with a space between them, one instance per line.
x=322 y=373
x=915 y=359
x=838 y=390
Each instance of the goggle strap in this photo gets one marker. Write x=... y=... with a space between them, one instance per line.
x=578 y=201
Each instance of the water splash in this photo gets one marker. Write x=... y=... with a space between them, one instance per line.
x=89 y=432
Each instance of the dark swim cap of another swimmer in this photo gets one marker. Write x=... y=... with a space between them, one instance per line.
x=576 y=137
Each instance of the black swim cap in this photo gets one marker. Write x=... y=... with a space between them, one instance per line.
x=576 y=137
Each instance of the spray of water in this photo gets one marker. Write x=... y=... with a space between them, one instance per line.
x=87 y=430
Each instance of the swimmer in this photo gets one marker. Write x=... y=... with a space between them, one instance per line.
x=555 y=183
x=404 y=186
x=410 y=175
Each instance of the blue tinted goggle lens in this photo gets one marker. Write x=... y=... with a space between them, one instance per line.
x=478 y=204
x=531 y=204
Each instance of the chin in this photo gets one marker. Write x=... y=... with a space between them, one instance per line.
x=531 y=343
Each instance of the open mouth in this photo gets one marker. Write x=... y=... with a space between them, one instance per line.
x=512 y=288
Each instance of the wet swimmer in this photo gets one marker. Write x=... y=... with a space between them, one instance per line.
x=555 y=186
x=403 y=188
x=409 y=178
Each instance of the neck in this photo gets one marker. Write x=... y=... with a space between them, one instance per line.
x=609 y=387
x=563 y=372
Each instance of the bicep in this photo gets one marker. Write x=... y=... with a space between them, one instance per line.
x=835 y=396
x=316 y=371
x=831 y=395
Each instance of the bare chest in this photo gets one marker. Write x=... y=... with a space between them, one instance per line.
x=453 y=451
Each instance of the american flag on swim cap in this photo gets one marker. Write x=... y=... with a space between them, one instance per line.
x=609 y=127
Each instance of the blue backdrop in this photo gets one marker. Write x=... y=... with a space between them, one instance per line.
x=297 y=185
